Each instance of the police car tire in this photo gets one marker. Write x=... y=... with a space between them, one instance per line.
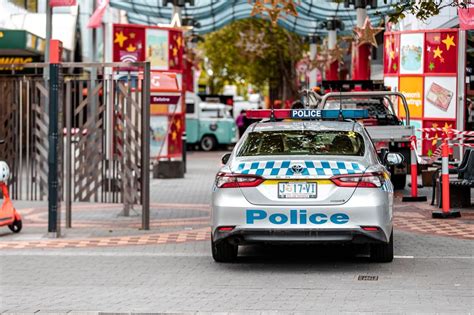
x=224 y=252
x=16 y=226
x=208 y=143
x=399 y=181
x=382 y=252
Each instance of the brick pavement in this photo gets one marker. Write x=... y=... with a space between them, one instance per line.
x=184 y=217
x=168 y=269
x=182 y=278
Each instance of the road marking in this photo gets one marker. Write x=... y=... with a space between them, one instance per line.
x=166 y=254
x=104 y=254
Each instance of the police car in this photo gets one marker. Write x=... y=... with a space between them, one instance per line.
x=313 y=179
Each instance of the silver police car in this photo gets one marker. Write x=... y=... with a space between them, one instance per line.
x=303 y=182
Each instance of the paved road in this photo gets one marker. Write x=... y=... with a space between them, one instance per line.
x=431 y=274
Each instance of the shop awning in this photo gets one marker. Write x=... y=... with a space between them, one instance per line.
x=20 y=43
x=212 y=15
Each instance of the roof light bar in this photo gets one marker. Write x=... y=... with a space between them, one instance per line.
x=309 y=114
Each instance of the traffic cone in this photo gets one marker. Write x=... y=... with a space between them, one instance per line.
x=446 y=211
x=414 y=176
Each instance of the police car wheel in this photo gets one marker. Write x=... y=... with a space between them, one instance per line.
x=224 y=251
x=399 y=181
x=382 y=252
x=16 y=226
x=208 y=143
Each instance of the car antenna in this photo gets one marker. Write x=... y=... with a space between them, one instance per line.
x=341 y=116
x=272 y=112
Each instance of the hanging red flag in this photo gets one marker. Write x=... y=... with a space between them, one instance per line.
x=96 y=19
x=176 y=45
x=391 y=53
x=466 y=18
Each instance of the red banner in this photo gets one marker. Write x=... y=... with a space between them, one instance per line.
x=176 y=44
x=129 y=44
x=174 y=137
x=441 y=52
x=392 y=54
x=429 y=146
x=466 y=18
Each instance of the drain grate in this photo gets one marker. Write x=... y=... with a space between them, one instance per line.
x=368 y=278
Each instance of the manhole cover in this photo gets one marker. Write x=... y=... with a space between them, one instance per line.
x=368 y=278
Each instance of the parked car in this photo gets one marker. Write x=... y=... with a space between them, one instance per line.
x=209 y=125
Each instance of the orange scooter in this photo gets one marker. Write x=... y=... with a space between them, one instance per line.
x=8 y=214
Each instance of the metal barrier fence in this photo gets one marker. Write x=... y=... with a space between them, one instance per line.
x=103 y=122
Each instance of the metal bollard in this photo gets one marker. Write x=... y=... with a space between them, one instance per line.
x=446 y=211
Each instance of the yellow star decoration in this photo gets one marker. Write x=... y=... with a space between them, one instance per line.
x=178 y=125
x=132 y=35
x=174 y=135
x=449 y=41
x=131 y=48
x=175 y=51
x=120 y=38
x=435 y=139
x=437 y=53
x=447 y=128
x=366 y=34
x=179 y=41
x=274 y=8
x=336 y=54
x=392 y=54
x=319 y=62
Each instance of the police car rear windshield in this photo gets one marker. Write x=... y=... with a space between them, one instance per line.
x=307 y=142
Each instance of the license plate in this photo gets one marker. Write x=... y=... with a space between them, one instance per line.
x=297 y=190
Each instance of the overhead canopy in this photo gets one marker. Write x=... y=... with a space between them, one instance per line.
x=214 y=14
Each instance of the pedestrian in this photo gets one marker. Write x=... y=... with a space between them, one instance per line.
x=297 y=105
x=241 y=122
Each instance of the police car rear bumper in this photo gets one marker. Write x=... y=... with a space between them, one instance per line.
x=305 y=236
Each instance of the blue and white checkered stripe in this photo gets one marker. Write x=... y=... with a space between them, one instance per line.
x=310 y=168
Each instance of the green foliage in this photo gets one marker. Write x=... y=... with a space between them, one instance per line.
x=421 y=9
x=272 y=56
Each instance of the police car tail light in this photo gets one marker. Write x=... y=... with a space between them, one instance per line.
x=367 y=180
x=226 y=180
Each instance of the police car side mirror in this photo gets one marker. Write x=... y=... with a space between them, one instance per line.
x=225 y=158
x=394 y=158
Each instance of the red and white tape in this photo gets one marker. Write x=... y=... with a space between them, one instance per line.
x=442 y=138
x=469 y=145
x=448 y=131
x=465 y=133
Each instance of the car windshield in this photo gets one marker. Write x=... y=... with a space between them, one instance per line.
x=215 y=112
x=307 y=142
x=375 y=107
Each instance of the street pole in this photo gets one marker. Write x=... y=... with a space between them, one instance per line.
x=361 y=54
x=145 y=156
x=313 y=55
x=49 y=31
x=332 y=73
x=53 y=136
